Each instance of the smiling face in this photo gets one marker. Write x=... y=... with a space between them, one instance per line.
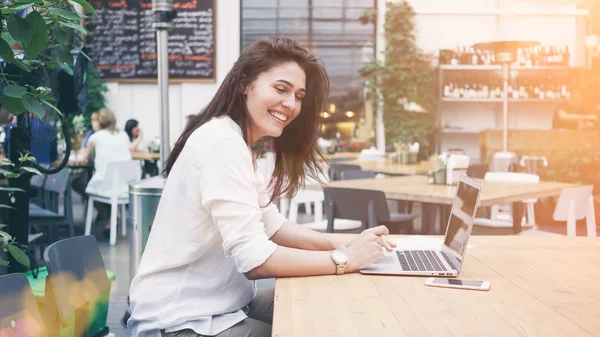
x=274 y=99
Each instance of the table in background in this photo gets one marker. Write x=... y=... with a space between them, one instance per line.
x=540 y=286
x=416 y=189
x=145 y=156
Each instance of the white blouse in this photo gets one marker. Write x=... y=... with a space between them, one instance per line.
x=210 y=228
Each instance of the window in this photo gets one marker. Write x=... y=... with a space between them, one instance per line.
x=328 y=28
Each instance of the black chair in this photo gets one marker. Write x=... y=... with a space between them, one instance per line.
x=354 y=174
x=368 y=206
x=19 y=313
x=335 y=170
x=55 y=186
x=76 y=277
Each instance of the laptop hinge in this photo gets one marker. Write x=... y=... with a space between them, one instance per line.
x=448 y=260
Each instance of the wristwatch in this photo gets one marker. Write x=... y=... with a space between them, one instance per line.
x=339 y=258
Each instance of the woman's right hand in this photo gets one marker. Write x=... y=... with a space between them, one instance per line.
x=367 y=248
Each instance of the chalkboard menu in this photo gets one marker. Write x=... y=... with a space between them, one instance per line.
x=123 y=42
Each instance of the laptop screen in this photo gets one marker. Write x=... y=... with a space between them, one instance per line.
x=461 y=217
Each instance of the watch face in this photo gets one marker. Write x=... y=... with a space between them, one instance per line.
x=339 y=257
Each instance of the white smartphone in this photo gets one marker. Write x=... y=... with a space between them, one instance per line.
x=457 y=283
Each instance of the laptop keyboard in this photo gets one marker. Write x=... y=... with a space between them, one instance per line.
x=420 y=260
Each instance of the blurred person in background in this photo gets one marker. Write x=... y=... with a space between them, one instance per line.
x=106 y=145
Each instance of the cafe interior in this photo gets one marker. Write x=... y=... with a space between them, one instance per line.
x=428 y=98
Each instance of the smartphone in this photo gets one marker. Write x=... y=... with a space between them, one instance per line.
x=457 y=283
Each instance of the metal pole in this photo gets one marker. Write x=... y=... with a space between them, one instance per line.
x=163 y=90
x=163 y=15
x=505 y=75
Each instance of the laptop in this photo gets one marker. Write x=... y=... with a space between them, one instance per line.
x=448 y=259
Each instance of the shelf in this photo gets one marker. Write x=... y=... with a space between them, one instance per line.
x=498 y=100
x=497 y=67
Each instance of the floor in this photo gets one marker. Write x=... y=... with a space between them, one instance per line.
x=116 y=259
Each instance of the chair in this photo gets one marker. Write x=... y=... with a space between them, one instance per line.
x=533 y=164
x=367 y=206
x=120 y=174
x=576 y=203
x=19 y=313
x=37 y=182
x=335 y=170
x=307 y=197
x=501 y=216
x=55 y=186
x=502 y=161
x=76 y=279
x=354 y=174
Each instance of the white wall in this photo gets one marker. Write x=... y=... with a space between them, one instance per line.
x=443 y=24
x=140 y=101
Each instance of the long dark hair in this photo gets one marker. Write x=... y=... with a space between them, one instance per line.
x=129 y=126
x=296 y=152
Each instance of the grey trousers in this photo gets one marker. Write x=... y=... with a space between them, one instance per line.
x=258 y=323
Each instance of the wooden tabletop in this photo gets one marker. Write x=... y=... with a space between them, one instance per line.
x=145 y=156
x=416 y=189
x=386 y=166
x=540 y=286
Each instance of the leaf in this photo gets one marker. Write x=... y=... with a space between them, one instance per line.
x=19 y=255
x=8 y=38
x=5 y=161
x=19 y=29
x=6 y=52
x=32 y=170
x=85 y=55
x=13 y=105
x=68 y=15
x=66 y=68
x=3 y=263
x=16 y=91
x=25 y=66
x=87 y=6
x=64 y=55
x=9 y=175
x=4 y=235
x=15 y=8
x=3 y=226
x=51 y=106
x=33 y=105
x=39 y=34
x=61 y=36
x=11 y=189
x=75 y=26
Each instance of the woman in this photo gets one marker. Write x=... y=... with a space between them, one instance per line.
x=135 y=133
x=216 y=229
x=104 y=146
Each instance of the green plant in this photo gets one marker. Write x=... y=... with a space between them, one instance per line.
x=403 y=80
x=7 y=243
x=35 y=47
x=96 y=100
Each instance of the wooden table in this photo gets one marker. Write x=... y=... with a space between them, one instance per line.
x=529 y=296
x=341 y=155
x=416 y=189
x=388 y=167
x=145 y=156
